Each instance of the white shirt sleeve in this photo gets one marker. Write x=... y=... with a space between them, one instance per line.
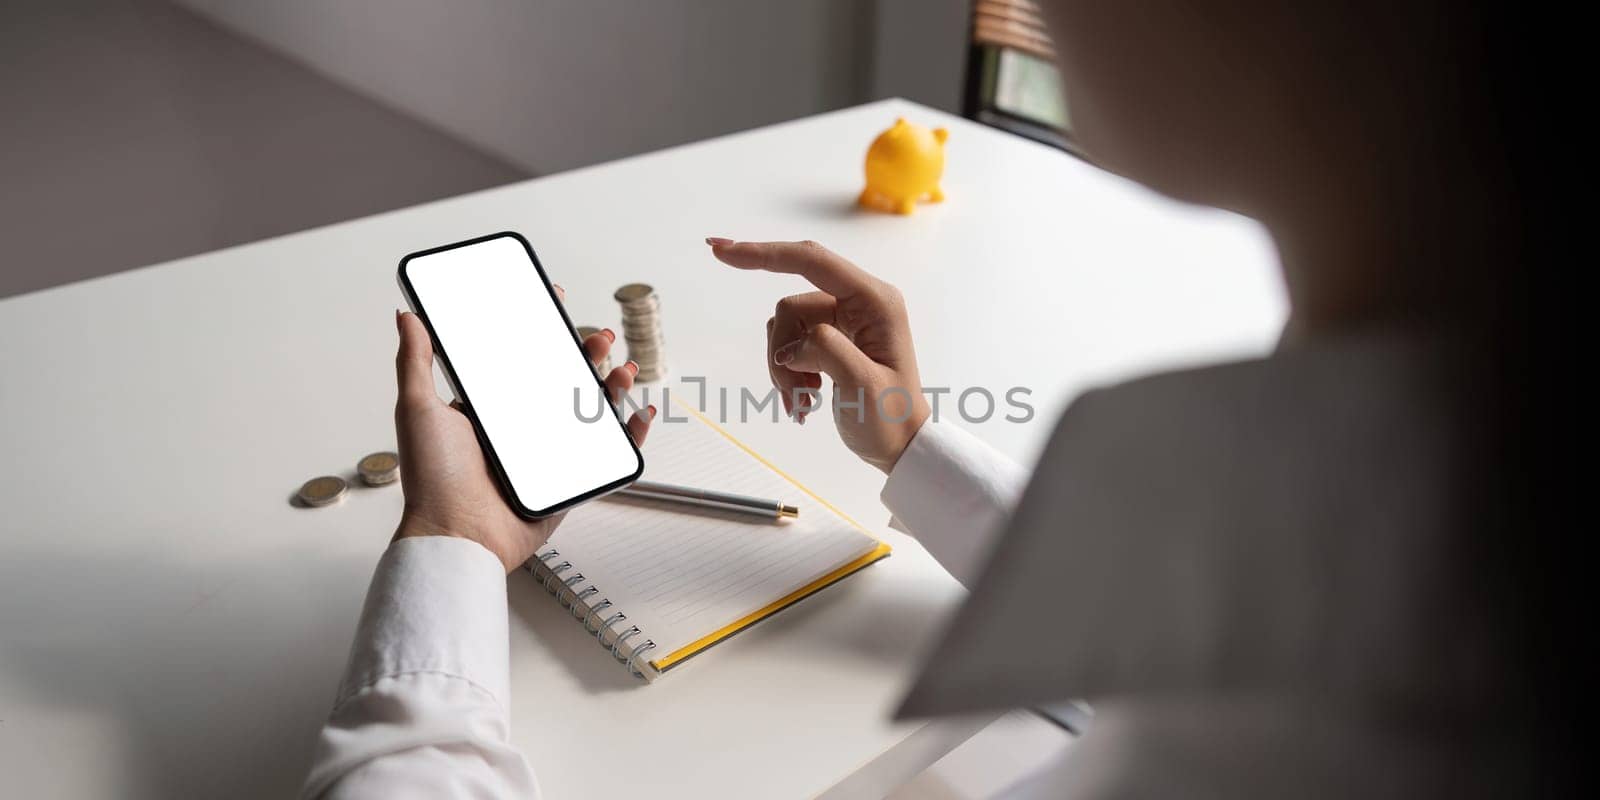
x=423 y=708
x=953 y=492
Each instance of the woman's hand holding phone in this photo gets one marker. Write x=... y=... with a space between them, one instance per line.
x=449 y=490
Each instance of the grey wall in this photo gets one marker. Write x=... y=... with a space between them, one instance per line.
x=919 y=51
x=133 y=132
x=554 y=84
x=177 y=134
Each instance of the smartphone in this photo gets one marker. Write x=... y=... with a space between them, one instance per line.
x=541 y=412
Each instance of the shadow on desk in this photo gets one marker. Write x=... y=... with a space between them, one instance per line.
x=534 y=612
x=828 y=206
x=893 y=631
x=185 y=677
x=892 y=627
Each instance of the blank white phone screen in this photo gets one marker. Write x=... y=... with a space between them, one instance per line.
x=530 y=386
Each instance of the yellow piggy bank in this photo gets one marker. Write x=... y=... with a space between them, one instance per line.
x=904 y=165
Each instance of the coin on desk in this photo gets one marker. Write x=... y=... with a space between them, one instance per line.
x=378 y=469
x=323 y=491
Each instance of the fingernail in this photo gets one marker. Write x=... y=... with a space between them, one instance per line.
x=800 y=417
x=633 y=366
x=610 y=334
x=785 y=354
x=718 y=241
x=652 y=410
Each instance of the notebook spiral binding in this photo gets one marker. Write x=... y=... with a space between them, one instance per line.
x=548 y=569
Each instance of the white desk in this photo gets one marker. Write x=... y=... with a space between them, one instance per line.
x=170 y=626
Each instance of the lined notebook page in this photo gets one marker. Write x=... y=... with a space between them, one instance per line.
x=681 y=575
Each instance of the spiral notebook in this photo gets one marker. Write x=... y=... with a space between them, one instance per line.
x=657 y=584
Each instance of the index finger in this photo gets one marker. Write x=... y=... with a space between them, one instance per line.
x=824 y=268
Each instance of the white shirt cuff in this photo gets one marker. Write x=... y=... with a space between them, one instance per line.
x=952 y=492
x=437 y=604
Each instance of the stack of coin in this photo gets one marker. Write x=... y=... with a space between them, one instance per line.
x=641 y=327
x=604 y=367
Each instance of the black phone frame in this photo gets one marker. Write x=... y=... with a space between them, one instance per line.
x=506 y=489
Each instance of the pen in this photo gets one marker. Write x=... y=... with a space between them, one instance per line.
x=722 y=501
